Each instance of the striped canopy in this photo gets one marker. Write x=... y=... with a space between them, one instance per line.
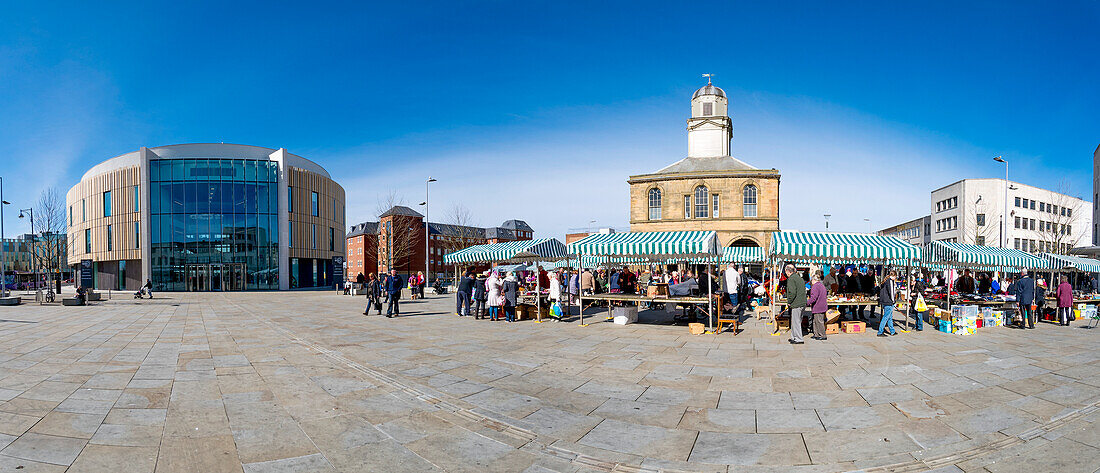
x=1071 y=263
x=520 y=251
x=742 y=254
x=841 y=247
x=963 y=255
x=648 y=244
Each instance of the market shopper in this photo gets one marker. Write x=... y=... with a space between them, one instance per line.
x=510 y=291
x=868 y=284
x=830 y=281
x=464 y=294
x=1040 y=297
x=373 y=287
x=393 y=287
x=965 y=283
x=494 y=285
x=917 y=284
x=481 y=295
x=733 y=285
x=819 y=304
x=886 y=296
x=588 y=282
x=1064 y=294
x=1025 y=297
x=796 y=300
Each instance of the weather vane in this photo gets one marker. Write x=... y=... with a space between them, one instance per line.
x=708 y=76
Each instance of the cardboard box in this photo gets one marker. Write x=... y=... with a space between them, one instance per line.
x=831 y=329
x=832 y=316
x=696 y=329
x=853 y=327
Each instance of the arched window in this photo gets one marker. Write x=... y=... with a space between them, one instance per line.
x=749 y=207
x=702 y=198
x=655 y=204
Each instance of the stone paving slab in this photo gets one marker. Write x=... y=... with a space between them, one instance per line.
x=302 y=381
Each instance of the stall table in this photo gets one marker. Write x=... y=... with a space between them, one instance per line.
x=640 y=298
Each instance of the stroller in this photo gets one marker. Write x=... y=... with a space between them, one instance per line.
x=439 y=288
x=139 y=293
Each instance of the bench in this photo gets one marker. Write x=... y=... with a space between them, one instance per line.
x=13 y=300
x=71 y=301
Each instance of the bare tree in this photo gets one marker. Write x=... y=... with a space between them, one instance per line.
x=398 y=237
x=1064 y=213
x=49 y=246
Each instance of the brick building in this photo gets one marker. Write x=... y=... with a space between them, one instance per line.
x=397 y=240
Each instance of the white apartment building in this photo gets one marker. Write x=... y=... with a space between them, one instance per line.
x=1038 y=220
x=915 y=232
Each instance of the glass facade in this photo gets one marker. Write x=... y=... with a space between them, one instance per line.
x=214 y=224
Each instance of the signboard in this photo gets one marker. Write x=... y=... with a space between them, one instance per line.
x=86 y=275
x=338 y=271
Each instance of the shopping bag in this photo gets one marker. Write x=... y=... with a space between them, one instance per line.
x=555 y=310
x=921 y=306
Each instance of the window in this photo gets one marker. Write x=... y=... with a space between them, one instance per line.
x=980 y=241
x=938 y=207
x=87 y=240
x=1032 y=205
x=107 y=204
x=1069 y=212
x=1042 y=206
x=1017 y=204
x=70 y=215
x=313 y=235
x=316 y=209
x=702 y=195
x=748 y=207
x=137 y=235
x=708 y=109
x=687 y=206
x=331 y=239
x=1054 y=209
x=1017 y=243
x=290 y=233
x=1017 y=222
x=981 y=220
x=137 y=200
x=1031 y=223
x=289 y=199
x=83 y=211
x=714 y=205
x=110 y=241
x=655 y=204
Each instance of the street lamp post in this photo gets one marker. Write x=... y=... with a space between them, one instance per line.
x=868 y=224
x=1004 y=213
x=827 y=221
x=34 y=254
x=427 y=235
x=3 y=244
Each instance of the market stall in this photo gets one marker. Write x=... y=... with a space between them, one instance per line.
x=839 y=248
x=944 y=255
x=512 y=252
x=1074 y=265
x=651 y=246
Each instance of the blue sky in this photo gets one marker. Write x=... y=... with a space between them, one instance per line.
x=540 y=110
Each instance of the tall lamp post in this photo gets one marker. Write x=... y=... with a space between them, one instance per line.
x=427 y=235
x=34 y=253
x=3 y=244
x=1004 y=214
x=868 y=224
x=827 y=221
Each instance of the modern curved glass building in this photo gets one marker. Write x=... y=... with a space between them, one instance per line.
x=206 y=217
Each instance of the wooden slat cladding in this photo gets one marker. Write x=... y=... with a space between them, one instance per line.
x=124 y=215
x=304 y=183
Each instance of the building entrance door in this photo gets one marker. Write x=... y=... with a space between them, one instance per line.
x=216 y=277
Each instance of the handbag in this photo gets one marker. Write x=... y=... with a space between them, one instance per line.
x=378 y=305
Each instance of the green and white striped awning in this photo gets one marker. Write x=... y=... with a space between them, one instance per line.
x=963 y=255
x=841 y=247
x=1071 y=263
x=742 y=254
x=648 y=244
x=543 y=249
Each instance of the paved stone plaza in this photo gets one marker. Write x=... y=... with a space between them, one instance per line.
x=301 y=381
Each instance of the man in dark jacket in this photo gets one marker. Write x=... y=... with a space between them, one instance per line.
x=965 y=283
x=465 y=290
x=1025 y=296
x=887 y=294
x=796 y=300
x=481 y=295
x=393 y=287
